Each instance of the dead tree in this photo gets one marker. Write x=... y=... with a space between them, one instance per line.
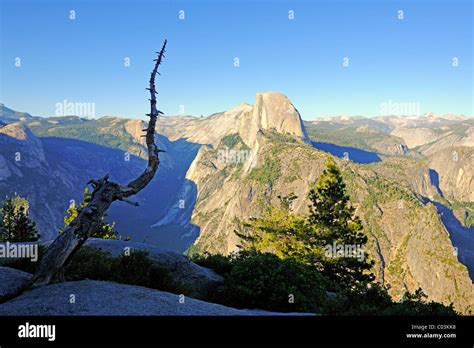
x=59 y=254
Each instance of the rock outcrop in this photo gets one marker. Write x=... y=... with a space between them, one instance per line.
x=105 y=298
x=12 y=279
x=272 y=111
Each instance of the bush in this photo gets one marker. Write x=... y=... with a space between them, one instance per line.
x=15 y=224
x=138 y=269
x=415 y=304
x=375 y=300
x=267 y=173
x=133 y=269
x=361 y=300
x=90 y=263
x=264 y=281
x=219 y=263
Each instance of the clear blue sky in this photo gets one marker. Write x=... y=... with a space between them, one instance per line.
x=82 y=60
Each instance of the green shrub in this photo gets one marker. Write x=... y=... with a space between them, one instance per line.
x=267 y=173
x=138 y=269
x=232 y=140
x=415 y=304
x=375 y=300
x=264 y=281
x=219 y=263
x=91 y=263
x=361 y=300
x=133 y=269
x=15 y=224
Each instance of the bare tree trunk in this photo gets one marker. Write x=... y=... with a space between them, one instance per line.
x=59 y=254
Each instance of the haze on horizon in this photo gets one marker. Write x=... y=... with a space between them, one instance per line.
x=221 y=54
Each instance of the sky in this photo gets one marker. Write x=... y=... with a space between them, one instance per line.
x=48 y=57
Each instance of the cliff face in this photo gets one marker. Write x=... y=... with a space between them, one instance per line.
x=25 y=170
x=50 y=172
x=416 y=137
x=454 y=168
x=408 y=241
x=435 y=136
x=29 y=150
x=272 y=111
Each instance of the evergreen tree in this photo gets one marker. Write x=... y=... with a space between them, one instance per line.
x=15 y=224
x=330 y=224
x=338 y=230
x=104 y=230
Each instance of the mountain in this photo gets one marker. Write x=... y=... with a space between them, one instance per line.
x=414 y=200
x=360 y=136
x=399 y=221
x=10 y=116
x=444 y=142
x=271 y=111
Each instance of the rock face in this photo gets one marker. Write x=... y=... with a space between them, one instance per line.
x=415 y=137
x=455 y=170
x=206 y=131
x=436 y=136
x=29 y=150
x=50 y=172
x=199 y=281
x=25 y=170
x=272 y=111
x=106 y=298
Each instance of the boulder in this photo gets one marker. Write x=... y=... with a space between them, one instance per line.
x=12 y=279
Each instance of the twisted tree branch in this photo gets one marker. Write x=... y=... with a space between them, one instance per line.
x=59 y=254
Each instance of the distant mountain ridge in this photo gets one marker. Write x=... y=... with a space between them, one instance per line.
x=199 y=197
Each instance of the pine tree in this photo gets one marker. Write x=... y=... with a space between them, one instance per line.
x=330 y=224
x=16 y=225
x=104 y=230
x=337 y=229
